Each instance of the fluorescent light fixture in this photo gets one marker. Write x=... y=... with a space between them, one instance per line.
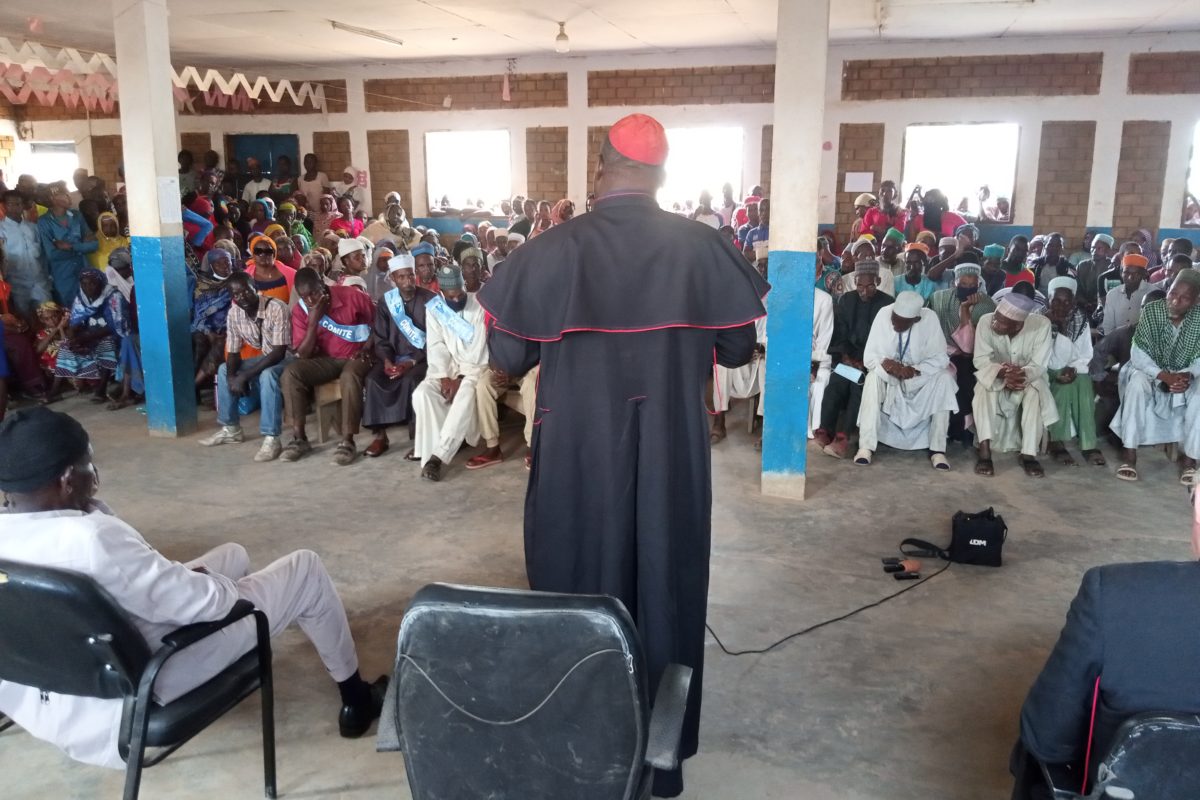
x=562 y=42
x=370 y=34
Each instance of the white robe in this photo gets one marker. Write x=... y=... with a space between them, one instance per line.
x=1013 y=420
x=443 y=427
x=25 y=267
x=822 y=334
x=161 y=595
x=739 y=383
x=908 y=414
x=1148 y=415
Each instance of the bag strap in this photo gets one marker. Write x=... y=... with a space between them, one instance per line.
x=923 y=549
x=1087 y=758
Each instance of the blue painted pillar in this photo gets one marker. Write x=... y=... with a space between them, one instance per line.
x=802 y=39
x=155 y=221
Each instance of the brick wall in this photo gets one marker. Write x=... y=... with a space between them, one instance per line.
x=1140 y=174
x=860 y=149
x=1064 y=178
x=595 y=141
x=8 y=147
x=546 y=163
x=36 y=112
x=531 y=90
x=764 y=171
x=1043 y=74
x=1164 y=73
x=106 y=157
x=388 y=153
x=683 y=86
x=196 y=143
x=332 y=149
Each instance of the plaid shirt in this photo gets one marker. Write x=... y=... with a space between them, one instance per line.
x=268 y=330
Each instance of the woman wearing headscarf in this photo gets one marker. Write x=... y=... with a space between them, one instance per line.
x=324 y=216
x=285 y=249
x=349 y=188
x=320 y=260
x=98 y=321
x=287 y=217
x=270 y=277
x=391 y=223
x=563 y=210
x=203 y=207
x=345 y=222
x=210 y=309
x=543 y=221
x=1145 y=241
x=108 y=235
x=262 y=215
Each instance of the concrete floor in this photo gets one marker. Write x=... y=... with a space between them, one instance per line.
x=916 y=699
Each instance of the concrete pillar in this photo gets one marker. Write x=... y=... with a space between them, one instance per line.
x=802 y=42
x=155 y=221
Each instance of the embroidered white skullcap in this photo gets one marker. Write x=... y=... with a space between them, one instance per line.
x=908 y=305
x=402 y=261
x=348 y=246
x=1063 y=282
x=1016 y=306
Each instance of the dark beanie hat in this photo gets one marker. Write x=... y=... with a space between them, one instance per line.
x=36 y=447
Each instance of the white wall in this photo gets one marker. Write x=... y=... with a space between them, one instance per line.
x=1110 y=108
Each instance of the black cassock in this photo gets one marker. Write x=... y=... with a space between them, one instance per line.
x=626 y=309
x=388 y=401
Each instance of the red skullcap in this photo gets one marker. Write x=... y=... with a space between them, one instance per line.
x=640 y=138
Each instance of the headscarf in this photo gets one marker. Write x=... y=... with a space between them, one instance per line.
x=212 y=298
x=1148 y=249
x=119 y=282
x=109 y=308
x=563 y=210
x=99 y=256
x=267 y=206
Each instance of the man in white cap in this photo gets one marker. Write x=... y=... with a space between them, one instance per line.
x=457 y=354
x=400 y=338
x=1088 y=272
x=959 y=310
x=1070 y=381
x=1013 y=404
x=908 y=395
x=351 y=258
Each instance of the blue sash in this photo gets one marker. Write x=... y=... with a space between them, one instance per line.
x=451 y=319
x=356 y=334
x=395 y=304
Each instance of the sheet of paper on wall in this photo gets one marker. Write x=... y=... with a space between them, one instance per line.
x=859 y=182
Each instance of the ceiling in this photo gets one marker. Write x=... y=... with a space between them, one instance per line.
x=245 y=33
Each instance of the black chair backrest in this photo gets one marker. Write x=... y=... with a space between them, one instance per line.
x=61 y=632
x=1154 y=755
x=497 y=654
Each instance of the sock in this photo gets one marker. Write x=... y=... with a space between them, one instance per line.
x=355 y=691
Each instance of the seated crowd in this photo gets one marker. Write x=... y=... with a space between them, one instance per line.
x=390 y=306
x=921 y=335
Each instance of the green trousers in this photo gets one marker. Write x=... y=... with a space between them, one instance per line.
x=1076 y=403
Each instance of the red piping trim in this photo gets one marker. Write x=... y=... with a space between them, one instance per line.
x=1087 y=758
x=666 y=326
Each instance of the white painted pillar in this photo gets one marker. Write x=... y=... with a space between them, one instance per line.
x=156 y=230
x=802 y=43
x=578 y=169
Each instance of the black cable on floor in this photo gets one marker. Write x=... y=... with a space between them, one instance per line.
x=819 y=625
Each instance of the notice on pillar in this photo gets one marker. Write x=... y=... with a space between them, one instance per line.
x=859 y=182
x=169 y=212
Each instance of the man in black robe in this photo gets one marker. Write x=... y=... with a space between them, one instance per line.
x=626 y=308
x=852 y=318
x=399 y=342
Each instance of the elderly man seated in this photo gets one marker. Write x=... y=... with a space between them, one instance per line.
x=1123 y=304
x=853 y=316
x=739 y=383
x=909 y=392
x=959 y=310
x=491 y=388
x=330 y=329
x=47 y=474
x=399 y=340
x=1160 y=386
x=1070 y=380
x=457 y=355
x=1013 y=404
x=1129 y=646
x=822 y=362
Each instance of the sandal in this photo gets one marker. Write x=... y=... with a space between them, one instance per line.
x=863 y=457
x=1188 y=477
x=939 y=462
x=411 y=455
x=344 y=454
x=1032 y=467
x=1127 y=472
x=985 y=467
x=1062 y=455
x=1095 y=458
x=716 y=435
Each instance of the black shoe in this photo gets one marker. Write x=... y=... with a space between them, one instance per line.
x=354 y=721
x=432 y=470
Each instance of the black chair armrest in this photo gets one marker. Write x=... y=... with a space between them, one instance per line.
x=188 y=635
x=1063 y=780
x=666 y=719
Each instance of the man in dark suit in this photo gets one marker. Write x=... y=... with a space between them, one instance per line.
x=1133 y=626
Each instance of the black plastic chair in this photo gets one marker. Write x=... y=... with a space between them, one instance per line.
x=60 y=632
x=1153 y=756
x=515 y=695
